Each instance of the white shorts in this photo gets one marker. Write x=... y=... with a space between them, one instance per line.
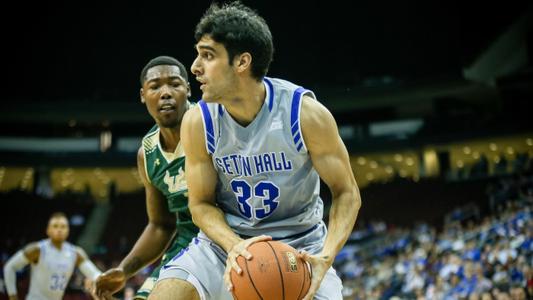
x=203 y=263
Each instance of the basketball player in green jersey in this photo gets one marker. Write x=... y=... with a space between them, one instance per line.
x=161 y=165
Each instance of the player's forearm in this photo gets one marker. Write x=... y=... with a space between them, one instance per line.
x=148 y=248
x=10 y=278
x=210 y=219
x=15 y=263
x=342 y=216
x=89 y=270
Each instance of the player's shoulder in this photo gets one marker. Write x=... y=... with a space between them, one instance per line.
x=193 y=116
x=140 y=153
x=192 y=129
x=151 y=135
x=150 y=140
x=79 y=251
x=318 y=125
x=32 y=250
x=313 y=111
x=33 y=246
x=280 y=83
x=286 y=90
x=81 y=255
x=152 y=131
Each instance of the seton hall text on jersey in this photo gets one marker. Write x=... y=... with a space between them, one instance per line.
x=241 y=165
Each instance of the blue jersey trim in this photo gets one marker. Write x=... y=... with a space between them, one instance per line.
x=297 y=138
x=295 y=118
x=209 y=132
x=270 y=93
x=299 y=146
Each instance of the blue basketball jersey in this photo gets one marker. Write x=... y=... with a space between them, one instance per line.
x=266 y=180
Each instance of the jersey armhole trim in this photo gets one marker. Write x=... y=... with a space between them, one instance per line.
x=296 y=108
x=208 y=128
x=146 y=166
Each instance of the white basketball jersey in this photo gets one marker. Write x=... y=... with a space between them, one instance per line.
x=266 y=180
x=51 y=274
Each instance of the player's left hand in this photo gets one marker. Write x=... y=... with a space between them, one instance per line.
x=319 y=266
x=240 y=249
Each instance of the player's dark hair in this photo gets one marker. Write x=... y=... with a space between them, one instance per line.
x=164 y=60
x=240 y=29
x=58 y=215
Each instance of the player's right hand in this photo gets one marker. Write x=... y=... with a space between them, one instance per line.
x=240 y=249
x=109 y=282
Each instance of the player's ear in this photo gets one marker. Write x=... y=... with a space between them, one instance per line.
x=141 y=93
x=243 y=61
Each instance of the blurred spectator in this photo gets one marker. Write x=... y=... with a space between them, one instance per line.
x=474 y=256
x=500 y=168
x=480 y=167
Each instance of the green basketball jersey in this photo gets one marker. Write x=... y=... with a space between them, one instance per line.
x=166 y=171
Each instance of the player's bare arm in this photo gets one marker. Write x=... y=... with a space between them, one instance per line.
x=202 y=179
x=206 y=215
x=152 y=243
x=159 y=231
x=30 y=254
x=331 y=160
x=86 y=266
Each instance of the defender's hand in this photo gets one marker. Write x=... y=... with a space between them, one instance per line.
x=109 y=282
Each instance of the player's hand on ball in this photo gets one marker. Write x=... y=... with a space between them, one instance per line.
x=240 y=249
x=109 y=282
x=319 y=265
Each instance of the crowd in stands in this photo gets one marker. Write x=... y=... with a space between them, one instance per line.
x=473 y=256
x=479 y=249
x=502 y=166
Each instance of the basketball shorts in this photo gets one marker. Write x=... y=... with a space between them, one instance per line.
x=148 y=285
x=203 y=263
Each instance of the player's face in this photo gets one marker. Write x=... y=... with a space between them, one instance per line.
x=213 y=71
x=58 y=229
x=165 y=93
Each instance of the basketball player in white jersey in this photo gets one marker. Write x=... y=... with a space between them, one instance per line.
x=255 y=149
x=52 y=263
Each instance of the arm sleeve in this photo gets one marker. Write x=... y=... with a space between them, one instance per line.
x=14 y=264
x=89 y=270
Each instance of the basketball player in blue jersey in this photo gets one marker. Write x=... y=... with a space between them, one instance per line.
x=161 y=162
x=52 y=263
x=256 y=149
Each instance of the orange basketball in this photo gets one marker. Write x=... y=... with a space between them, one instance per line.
x=274 y=273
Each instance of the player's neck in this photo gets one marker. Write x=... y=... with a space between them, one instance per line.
x=246 y=103
x=57 y=244
x=169 y=138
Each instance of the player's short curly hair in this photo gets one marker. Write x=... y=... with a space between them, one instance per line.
x=240 y=29
x=164 y=60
